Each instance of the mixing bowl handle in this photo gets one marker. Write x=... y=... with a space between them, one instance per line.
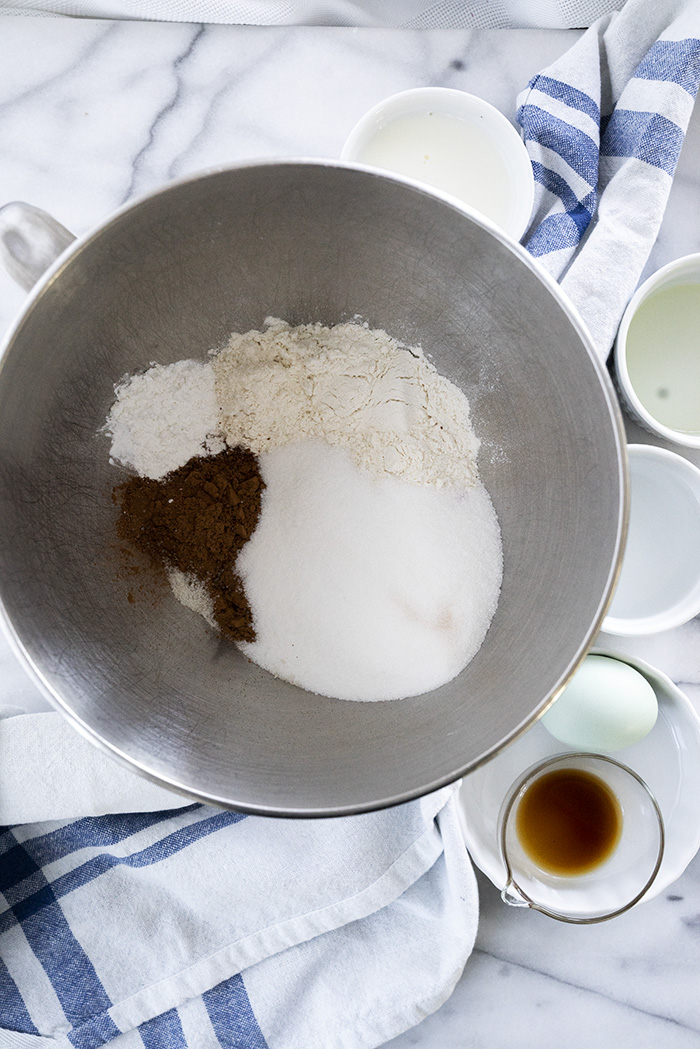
x=30 y=241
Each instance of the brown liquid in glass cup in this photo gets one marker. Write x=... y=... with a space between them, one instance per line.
x=581 y=838
x=569 y=821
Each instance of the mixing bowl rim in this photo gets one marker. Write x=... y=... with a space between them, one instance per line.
x=572 y=315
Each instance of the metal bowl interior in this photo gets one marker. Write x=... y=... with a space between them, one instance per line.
x=170 y=278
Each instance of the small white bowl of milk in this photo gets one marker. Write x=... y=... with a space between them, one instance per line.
x=453 y=142
x=657 y=353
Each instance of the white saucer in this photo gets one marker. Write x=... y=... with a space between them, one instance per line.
x=668 y=759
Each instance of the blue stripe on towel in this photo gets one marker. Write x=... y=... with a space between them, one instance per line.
x=13 y=1011
x=70 y=971
x=563 y=230
x=647 y=136
x=559 y=187
x=160 y=850
x=232 y=1017
x=95 y=832
x=673 y=60
x=72 y=974
x=94 y=1033
x=163 y=1032
x=98 y=865
x=578 y=149
x=15 y=866
x=570 y=96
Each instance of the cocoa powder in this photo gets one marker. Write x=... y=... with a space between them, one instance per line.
x=196 y=519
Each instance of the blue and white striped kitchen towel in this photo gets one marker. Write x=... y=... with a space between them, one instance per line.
x=197 y=928
x=604 y=126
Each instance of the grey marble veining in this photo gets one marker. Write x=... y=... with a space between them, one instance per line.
x=94 y=113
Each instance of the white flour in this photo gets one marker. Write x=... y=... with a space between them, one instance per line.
x=192 y=593
x=164 y=417
x=349 y=386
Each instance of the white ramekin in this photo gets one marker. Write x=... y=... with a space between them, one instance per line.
x=659 y=585
x=685 y=270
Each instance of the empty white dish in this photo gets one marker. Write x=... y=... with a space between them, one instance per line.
x=659 y=584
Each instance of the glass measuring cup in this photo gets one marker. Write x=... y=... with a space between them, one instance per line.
x=586 y=853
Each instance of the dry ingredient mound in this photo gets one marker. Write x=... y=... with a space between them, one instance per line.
x=165 y=416
x=350 y=386
x=313 y=493
x=366 y=588
x=193 y=523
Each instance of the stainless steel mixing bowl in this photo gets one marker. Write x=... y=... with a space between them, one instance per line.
x=171 y=277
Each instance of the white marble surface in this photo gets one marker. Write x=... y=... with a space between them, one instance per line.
x=93 y=113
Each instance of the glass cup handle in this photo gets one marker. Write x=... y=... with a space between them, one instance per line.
x=30 y=241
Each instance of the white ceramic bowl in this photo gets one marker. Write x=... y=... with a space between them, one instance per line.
x=669 y=372
x=659 y=584
x=455 y=143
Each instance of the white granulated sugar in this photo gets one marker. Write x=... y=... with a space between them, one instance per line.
x=365 y=588
x=164 y=417
x=350 y=386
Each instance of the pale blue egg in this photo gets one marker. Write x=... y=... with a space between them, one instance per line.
x=606 y=706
